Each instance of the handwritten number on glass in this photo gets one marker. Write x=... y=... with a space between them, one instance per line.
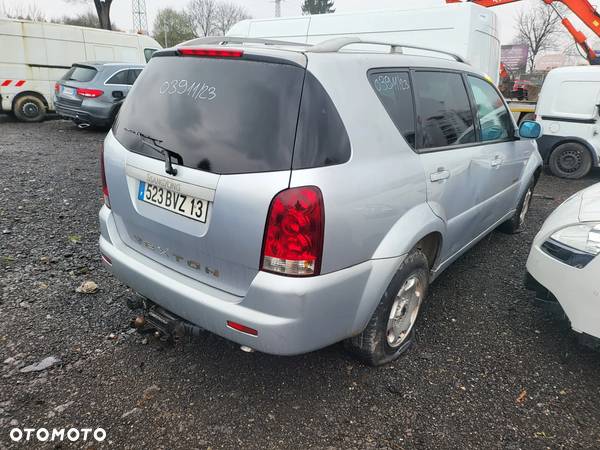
x=196 y=90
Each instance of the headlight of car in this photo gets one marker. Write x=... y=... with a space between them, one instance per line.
x=575 y=245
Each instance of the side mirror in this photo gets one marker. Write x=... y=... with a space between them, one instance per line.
x=118 y=95
x=530 y=130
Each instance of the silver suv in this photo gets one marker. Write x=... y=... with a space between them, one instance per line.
x=290 y=197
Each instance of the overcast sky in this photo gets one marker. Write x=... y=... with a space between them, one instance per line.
x=121 y=9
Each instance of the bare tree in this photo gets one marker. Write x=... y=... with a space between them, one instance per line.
x=32 y=12
x=228 y=14
x=203 y=14
x=102 y=10
x=87 y=19
x=540 y=29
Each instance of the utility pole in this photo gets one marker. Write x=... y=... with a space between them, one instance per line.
x=140 y=18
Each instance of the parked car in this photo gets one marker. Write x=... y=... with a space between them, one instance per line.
x=563 y=265
x=92 y=93
x=567 y=109
x=287 y=197
x=36 y=54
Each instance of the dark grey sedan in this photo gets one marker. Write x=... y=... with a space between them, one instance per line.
x=92 y=93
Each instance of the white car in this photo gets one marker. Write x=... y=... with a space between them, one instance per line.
x=564 y=266
x=568 y=110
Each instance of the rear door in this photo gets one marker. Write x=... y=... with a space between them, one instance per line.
x=457 y=167
x=218 y=131
x=122 y=81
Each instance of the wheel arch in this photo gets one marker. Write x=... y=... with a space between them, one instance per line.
x=37 y=94
x=417 y=226
x=576 y=140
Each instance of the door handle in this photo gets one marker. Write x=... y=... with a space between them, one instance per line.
x=497 y=161
x=441 y=175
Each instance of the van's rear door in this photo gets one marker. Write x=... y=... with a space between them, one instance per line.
x=226 y=125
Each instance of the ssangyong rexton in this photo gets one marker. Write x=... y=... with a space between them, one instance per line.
x=290 y=197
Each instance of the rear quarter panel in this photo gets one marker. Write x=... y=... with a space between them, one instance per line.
x=367 y=196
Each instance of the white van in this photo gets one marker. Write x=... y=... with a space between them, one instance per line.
x=33 y=55
x=568 y=112
x=465 y=29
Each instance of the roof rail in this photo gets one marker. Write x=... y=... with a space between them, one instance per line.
x=224 y=40
x=337 y=44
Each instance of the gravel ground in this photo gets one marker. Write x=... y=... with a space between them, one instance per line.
x=490 y=370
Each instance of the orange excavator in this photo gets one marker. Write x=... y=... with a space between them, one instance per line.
x=581 y=8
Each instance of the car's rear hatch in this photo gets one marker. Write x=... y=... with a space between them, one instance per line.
x=77 y=77
x=228 y=123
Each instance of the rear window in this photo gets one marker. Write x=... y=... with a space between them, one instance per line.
x=444 y=112
x=80 y=73
x=322 y=139
x=219 y=115
x=395 y=92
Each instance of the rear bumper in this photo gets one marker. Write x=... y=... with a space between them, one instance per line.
x=96 y=116
x=291 y=315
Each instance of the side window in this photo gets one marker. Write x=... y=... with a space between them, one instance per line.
x=118 y=78
x=395 y=92
x=132 y=75
x=494 y=118
x=321 y=137
x=444 y=113
x=148 y=52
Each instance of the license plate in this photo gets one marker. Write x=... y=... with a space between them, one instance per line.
x=185 y=205
x=68 y=92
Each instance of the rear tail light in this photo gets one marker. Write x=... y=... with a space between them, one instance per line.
x=90 y=93
x=103 y=176
x=56 y=87
x=293 y=240
x=210 y=52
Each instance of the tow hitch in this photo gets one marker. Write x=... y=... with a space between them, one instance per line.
x=159 y=321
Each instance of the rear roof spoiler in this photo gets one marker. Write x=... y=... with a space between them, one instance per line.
x=226 y=40
x=328 y=46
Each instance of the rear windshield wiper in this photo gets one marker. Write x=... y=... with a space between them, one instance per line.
x=155 y=144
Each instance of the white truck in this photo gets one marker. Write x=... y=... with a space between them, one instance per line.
x=33 y=55
x=568 y=110
x=465 y=29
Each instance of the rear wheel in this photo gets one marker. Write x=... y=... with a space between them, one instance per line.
x=29 y=108
x=390 y=331
x=570 y=160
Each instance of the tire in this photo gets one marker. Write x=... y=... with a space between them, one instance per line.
x=516 y=223
x=378 y=343
x=570 y=160
x=29 y=108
